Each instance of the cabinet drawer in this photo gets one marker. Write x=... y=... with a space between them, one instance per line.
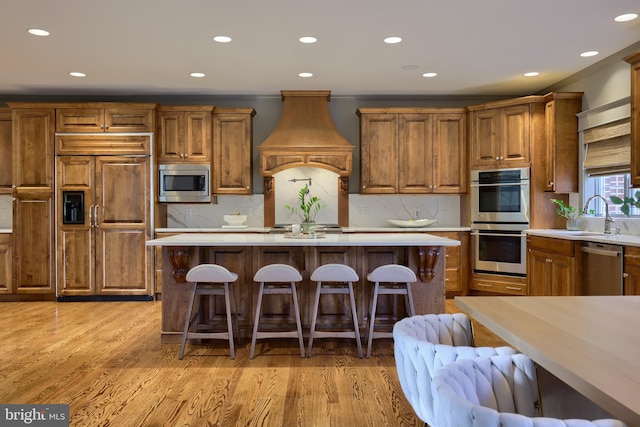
x=451 y=281
x=549 y=244
x=506 y=285
x=632 y=256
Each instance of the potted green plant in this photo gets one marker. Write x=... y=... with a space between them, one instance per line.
x=569 y=213
x=307 y=209
x=627 y=202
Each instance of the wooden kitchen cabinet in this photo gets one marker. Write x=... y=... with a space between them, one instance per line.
x=631 y=270
x=497 y=284
x=184 y=134
x=500 y=134
x=232 y=143
x=552 y=266
x=5 y=150
x=33 y=132
x=105 y=117
x=456 y=263
x=412 y=151
x=634 y=61
x=6 y=285
x=561 y=138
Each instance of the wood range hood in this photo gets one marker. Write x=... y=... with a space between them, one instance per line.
x=306 y=137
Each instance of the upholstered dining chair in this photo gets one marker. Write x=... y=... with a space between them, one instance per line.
x=425 y=343
x=496 y=391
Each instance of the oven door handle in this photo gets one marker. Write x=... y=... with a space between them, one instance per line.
x=497 y=234
x=500 y=184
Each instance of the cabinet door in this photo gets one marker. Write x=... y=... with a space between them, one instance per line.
x=123 y=262
x=485 y=137
x=632 y=280
x=514 y=137
x=634 y=60
x=198 y=136
x=415 y=151
x=5 y=147
x=449 y=158
x=562 y=275
x=538 y=273
x=561 y=139
x=128 y=120
x=6 y=286
x=170 y=136
x=232 y=153
x=76 y=241
x=33 y=151
x=379 y=153
x=80 y=120
x=33 y=242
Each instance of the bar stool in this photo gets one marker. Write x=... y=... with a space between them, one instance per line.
x=390 y=279
x=277 y=279
x=210 y=279
x=334 y=279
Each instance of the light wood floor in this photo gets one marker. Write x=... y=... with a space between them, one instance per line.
x=106 y=361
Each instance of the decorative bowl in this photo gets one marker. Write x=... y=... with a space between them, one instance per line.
x=235 y=219
x=411 y=223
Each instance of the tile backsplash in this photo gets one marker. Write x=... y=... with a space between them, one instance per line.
x=6 y=211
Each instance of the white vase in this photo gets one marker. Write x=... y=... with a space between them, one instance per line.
x=574 y=224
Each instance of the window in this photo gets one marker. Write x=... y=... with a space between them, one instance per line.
x=607 y=186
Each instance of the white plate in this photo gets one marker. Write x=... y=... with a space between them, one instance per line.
x=411 y=223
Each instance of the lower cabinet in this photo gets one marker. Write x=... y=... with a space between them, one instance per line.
x=457 y=261
x=5 y=264
x=631 y=270
x=552 y=266
x=499 y=284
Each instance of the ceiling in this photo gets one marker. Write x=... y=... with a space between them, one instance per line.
x=135 y=47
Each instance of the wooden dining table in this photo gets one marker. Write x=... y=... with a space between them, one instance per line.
x=591 y=343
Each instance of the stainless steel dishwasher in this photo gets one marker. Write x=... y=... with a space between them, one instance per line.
x=602 y=269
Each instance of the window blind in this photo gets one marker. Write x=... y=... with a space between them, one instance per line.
x=608 y=148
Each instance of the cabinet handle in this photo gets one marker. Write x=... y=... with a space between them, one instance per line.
x=91 y=216
x=549 y=260
x=485 y=285
x=106 y=126
x=550 y=183
x=95 y=215
x=514 y=288
x=625 y=275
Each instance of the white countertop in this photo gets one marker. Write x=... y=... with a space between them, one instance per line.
x=588 y=236
x=345 y=239
x=6 y=230
x=344 y=230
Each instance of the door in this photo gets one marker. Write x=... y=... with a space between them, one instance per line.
x=102 y=251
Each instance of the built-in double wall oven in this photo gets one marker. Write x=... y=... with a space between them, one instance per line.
x=499 y=215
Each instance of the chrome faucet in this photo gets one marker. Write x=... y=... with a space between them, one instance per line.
x=607 y=218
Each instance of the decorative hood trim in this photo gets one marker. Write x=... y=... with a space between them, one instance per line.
x=305 y=136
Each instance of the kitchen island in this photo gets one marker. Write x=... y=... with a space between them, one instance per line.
x=245 y=253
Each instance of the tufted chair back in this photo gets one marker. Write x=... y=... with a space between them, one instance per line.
x=423 y=344
x=496 y=391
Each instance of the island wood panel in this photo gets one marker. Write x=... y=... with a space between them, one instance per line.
x=6 y=286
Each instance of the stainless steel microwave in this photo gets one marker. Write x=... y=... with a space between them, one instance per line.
x=184 y=183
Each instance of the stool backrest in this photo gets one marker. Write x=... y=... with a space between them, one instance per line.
x=392 y=273
x=212 y=273
x=334 y=273
x=277 y=273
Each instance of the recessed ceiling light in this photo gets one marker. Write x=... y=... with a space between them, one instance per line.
x=429 y=74
x=222 y=39
x=589 y=53
x=77 y=74
x=393 y=40
x=197 y=74
x=531 y=74
x=626 y=17
x=38 y=32
x=308 y=39
x=305 y=74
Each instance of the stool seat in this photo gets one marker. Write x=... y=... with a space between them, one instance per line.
x=210 y=279
x=277 y=279
x=334 y=279
x=389 y=279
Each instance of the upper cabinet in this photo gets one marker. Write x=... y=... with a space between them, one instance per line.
x=99 y=117
x=184 y=134
x=561 y=138
x=33 y=152
x=5 y=149
x=232 y=142
x=634 y=60
x=412 y=150
x=500 y=134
